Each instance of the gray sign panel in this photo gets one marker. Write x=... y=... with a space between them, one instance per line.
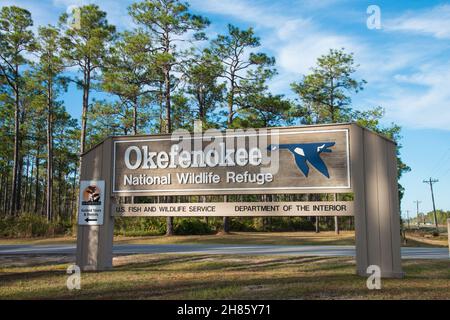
x=235 y=209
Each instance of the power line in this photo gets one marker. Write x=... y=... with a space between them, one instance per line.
x=437 y=167
x=446 y=172
x=430 y=182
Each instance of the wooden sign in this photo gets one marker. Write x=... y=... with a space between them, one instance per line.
x=286 y=160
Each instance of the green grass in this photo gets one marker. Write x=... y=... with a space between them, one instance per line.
x=275 y=238
x=254 y=238
x=166 y=276
x=263 y=238
x=425 y=239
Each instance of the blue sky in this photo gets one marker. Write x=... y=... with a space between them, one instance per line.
x=406 y=63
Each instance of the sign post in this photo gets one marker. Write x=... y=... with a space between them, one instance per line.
x=326 y=159
x=95 y=238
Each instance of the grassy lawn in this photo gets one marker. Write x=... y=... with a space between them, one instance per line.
x=263 y=238
x=272 y=238
x=425 y=239
x=280 y=238
x=167 y=276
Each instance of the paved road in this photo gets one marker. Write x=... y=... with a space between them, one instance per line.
x=331 y=251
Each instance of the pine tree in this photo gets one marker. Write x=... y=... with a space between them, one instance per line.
x=130 y=75
x=242 y=71
x=48 y=76
x=86 y=45
x=167 y=21
x=16 y=39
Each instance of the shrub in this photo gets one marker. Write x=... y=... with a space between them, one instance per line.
x=242 y=224
x=289 y=224
x=32 y=225
x=186 y=226
x=139 y=226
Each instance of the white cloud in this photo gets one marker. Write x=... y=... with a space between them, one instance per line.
x=421 y=99
x=300 y=55
x=258 y=15
x=435 y=22
x=394 y=69
x=409 y=75
x=314 y=4
x=41 y=13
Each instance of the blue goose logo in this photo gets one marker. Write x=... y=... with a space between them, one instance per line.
x=307 y=152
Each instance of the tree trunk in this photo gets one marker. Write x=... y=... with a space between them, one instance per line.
x=73 y=196
x=2 y=184
x=169 y=220
x=135 y=115
x=201 y=108
x=42 y=205
x=336 y=224
x=167 y=90
x=169 y=229
x=317 y=224
x=336 y=219
x=226 y=220
x=60 y=191
x=49 y=197
x=6 y=194
x=226 y=225
x=167 y=102
x=230 y=105
x=36 y=199
x=15 y=186
x=19 y=181
x=86 y=88
x=27 y=178
x=162 y=128
x=30 y=189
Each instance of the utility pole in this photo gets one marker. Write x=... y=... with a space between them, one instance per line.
x=417 y=206
x=430 y=182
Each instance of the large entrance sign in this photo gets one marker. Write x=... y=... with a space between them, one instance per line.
x=331 y=159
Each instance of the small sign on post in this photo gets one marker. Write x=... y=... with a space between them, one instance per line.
x=92 y=198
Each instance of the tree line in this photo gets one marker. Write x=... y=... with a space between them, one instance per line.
x=159 y=76
x=428 y=217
